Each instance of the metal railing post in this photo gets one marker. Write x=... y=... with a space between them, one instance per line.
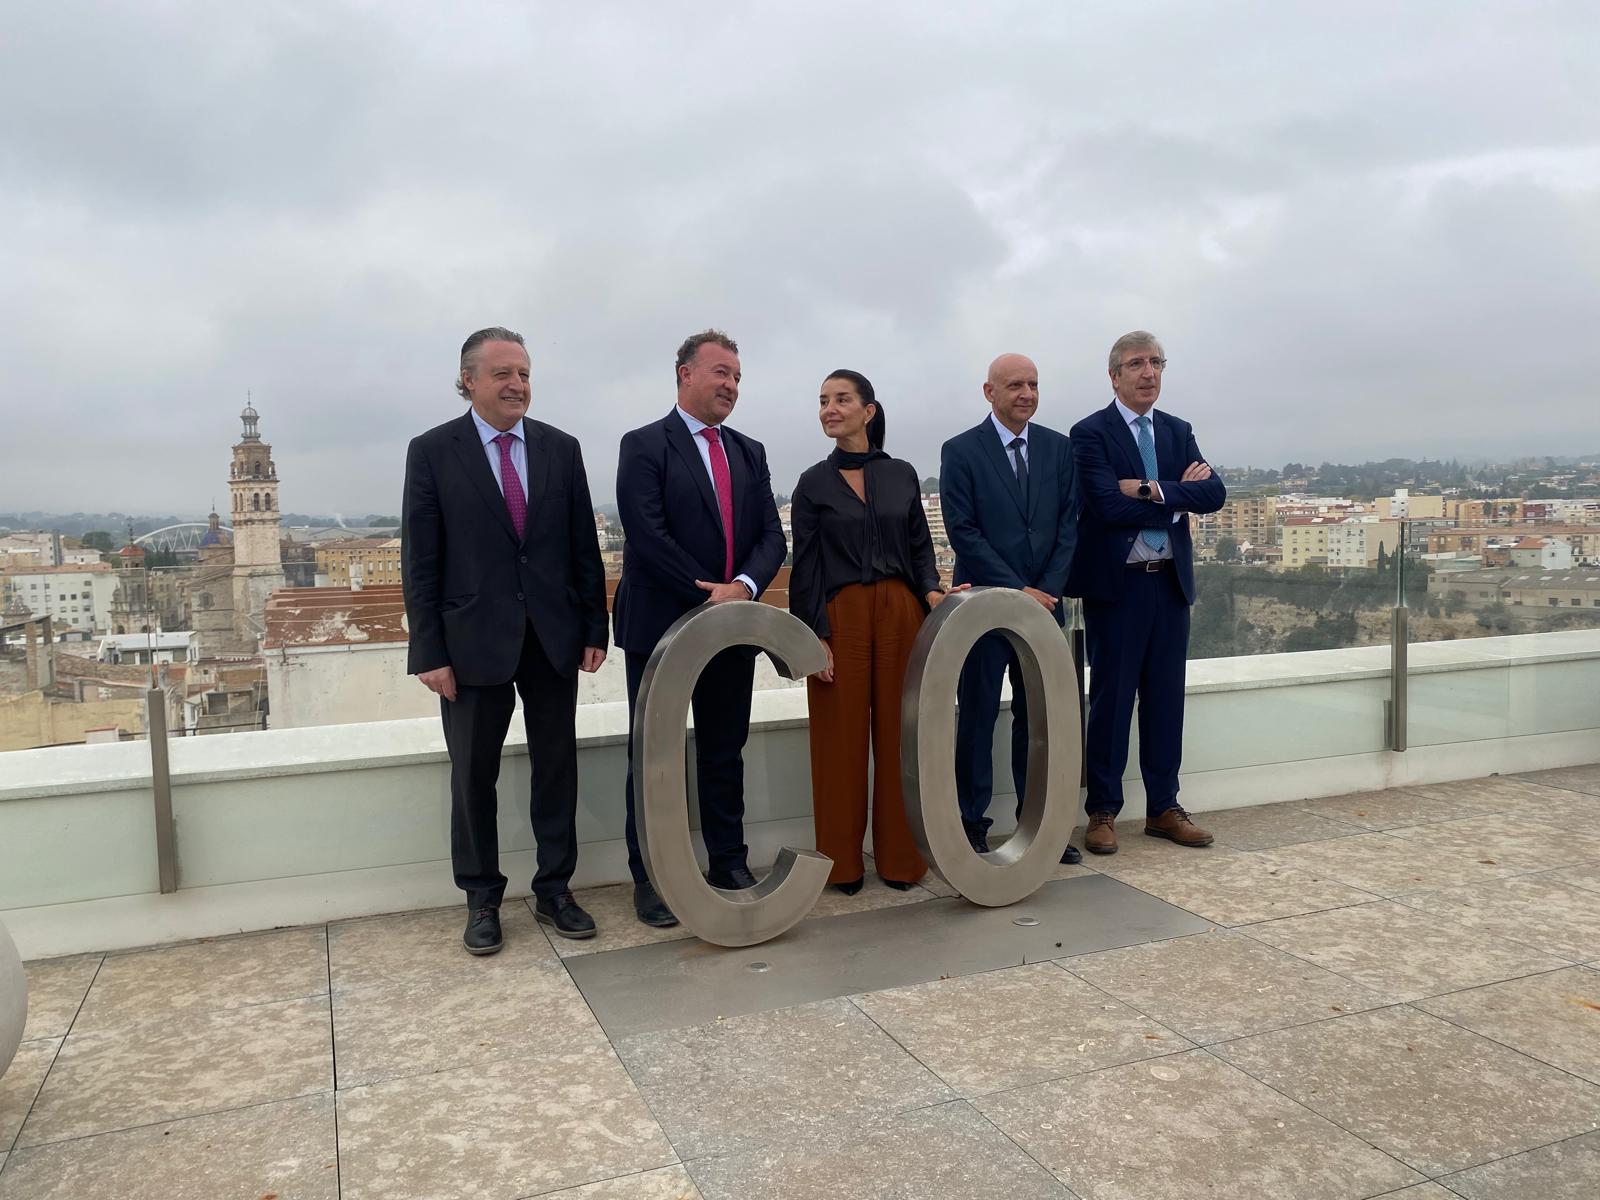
x=155 y=723
x=1399 y=635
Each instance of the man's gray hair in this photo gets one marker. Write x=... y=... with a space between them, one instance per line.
x=1139 y=339
x=471 y=347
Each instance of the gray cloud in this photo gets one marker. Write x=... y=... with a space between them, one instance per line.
x=1367 y=231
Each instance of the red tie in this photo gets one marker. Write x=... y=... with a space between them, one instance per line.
x=724 y=485
x=511 y=484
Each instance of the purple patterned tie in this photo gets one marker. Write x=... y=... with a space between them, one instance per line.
x=724 y=484
x=511 y=484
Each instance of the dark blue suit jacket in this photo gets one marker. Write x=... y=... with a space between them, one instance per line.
x=672 y=528
x=1105 y=452
x=1003 y=538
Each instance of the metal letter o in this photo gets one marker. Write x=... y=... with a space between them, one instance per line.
x=661 y=799
x=927 y=720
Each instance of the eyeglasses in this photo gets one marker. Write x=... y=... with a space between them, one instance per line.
x=1137 y=364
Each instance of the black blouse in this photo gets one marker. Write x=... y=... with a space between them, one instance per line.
x=833 y=546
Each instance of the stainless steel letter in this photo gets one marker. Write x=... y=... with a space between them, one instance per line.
x=928 y=733
x=661 y=796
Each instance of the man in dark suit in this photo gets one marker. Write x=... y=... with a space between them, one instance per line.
x=700 y=527
x=505 y=593
x=1006 y=490
x=1139 y=474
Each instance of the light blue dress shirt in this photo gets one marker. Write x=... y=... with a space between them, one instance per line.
x=519 y=452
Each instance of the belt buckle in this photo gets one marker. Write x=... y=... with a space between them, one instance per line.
x=1152 y=565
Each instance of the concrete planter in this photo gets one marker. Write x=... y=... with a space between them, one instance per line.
x=13 y=999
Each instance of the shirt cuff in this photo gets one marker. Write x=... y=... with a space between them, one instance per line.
x=1155 y=490
x=749 y=583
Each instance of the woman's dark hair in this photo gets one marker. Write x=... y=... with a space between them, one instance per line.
x=863 y=385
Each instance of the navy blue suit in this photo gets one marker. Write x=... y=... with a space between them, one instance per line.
x=672 y=532
x=1003 y=536
x=1136 y=622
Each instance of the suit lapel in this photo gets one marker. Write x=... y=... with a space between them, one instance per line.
x=682 y=441
x=1041 y=471
x=1001 y=462
x=1122 y=436
x=538 y=471
x=469 y=447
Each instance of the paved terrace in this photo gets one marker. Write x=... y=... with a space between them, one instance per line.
x=1392 y=993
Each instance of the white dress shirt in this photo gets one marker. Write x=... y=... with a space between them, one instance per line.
x=519 y=452
x=703 y=445
x=1007 y=437
x=1140 y=551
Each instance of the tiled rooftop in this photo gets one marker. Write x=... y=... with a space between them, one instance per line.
x=1392 y=993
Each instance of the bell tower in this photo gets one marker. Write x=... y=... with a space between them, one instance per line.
x=257 y=557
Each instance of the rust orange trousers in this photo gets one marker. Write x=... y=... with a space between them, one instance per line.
x=874 y=625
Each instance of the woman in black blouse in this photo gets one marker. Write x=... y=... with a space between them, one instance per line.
x=863 y=578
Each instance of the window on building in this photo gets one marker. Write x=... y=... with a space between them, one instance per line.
x=1555 y=601
x=1577 y=602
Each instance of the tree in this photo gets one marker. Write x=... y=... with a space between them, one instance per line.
x=1454 y=601
x=375 y=521
x=97 y=539
x=1227 y=548
x=930 y=486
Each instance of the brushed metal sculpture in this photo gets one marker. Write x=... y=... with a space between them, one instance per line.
x=13 y=999
x=1029 y=857
x=724 y=917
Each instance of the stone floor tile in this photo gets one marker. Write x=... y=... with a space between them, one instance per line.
x=1573 y=779
x=117 y=1078
x=1567 y=809
x=736 y=1085
x=3 y=1158
x=56 y=988
x=284 y=1149
x=425 y=947
x=948 y=1151
x=1186 y=1126
x=1264 y=826
x=1435 y=1096
x=20 y=1085
x=1008 y=1028
x=1493 y=793
x=1213 y=986
x=1564 y=1171
x=1400 y=951
x=1554 y=1018
x=1521 y=844
x=217 y=973
x=521 y=1127
x=1585 y=875
x=1387 y=864
x=410 y=1029
x=1241 y=889
x=616 y=926
x=1393 y=808
x=1420 y=1191
x=1536 y=910
x=667 y=1183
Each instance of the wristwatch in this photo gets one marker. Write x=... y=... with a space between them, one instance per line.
x=1144 y=489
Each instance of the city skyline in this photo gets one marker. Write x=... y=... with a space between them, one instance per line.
x=1361 y=231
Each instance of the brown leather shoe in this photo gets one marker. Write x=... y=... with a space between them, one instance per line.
x=1101 y=836
x=1175 y=826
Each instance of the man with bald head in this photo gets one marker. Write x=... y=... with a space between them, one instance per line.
x=1006 y=488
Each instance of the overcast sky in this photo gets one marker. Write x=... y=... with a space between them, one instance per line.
x=1367 y=230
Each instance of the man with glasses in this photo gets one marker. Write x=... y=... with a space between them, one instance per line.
x=1139 y=473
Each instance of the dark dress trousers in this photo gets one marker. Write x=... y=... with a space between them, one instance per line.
x=1136 y=622
x=1004 y=535
x=507 y=615
x=672 y=536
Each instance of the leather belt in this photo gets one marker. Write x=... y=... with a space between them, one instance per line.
x=1150 y=565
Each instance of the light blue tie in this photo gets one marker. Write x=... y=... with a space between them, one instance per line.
x=1156 y=539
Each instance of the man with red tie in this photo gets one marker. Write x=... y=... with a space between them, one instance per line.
x=505 y=593
x=700 y=527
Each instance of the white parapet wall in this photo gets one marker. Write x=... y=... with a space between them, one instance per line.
x=289 y=826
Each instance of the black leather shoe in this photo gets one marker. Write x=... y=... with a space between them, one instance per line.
x=1071 y=855
x=899 y=885
x=979 y=842
x=735 y=880
x=648 y=908
x=850 y=886
x=565 y=915
x=483 y=932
